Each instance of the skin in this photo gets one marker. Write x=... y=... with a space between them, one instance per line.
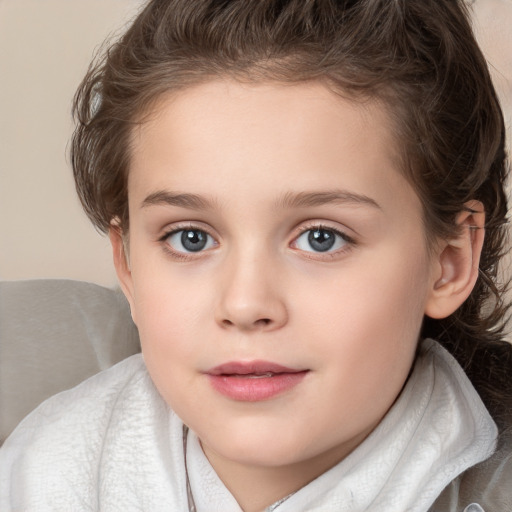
x=351 y=316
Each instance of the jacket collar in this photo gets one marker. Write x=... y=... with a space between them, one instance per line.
x=437 y=428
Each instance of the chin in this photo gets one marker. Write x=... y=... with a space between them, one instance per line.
x=269 y=448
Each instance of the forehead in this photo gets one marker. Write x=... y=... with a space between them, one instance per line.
x=277 y=105
x=229 y=133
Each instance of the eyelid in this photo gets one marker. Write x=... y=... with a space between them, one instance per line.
x=303 y=228
x=323 y=225
x=174 y=238
x=185 y=226
x=309 y=225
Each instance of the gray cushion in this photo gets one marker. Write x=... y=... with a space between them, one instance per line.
x=53 y=335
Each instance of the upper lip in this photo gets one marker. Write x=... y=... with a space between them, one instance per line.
x=250 y=367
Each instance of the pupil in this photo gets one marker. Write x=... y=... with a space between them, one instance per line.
x=321 y=240
x=193 y=240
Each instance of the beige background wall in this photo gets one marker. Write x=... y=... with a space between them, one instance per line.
x=45 y=47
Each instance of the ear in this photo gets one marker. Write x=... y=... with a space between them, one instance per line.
x=121 y=264
x=457 y=262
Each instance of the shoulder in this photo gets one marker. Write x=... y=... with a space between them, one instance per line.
x=487 y=484
x=87 y=404
x=57 y=453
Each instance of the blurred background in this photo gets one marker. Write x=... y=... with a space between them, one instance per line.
x=45 y=49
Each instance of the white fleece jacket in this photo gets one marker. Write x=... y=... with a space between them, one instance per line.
x=113 y=444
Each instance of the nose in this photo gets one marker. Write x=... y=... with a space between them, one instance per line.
x=251 y=295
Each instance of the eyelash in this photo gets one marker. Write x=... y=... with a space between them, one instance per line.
x=184 y=256
x=350 y=242
x=187 y=256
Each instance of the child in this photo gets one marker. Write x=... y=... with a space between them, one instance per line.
x=296 y=193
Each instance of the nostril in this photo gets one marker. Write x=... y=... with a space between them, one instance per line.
x=261 y=322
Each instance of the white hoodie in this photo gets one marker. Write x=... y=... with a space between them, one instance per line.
x=113 y=444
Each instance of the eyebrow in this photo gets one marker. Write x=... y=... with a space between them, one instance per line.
x=189 y=201
x=311 y=199
x=288 y=200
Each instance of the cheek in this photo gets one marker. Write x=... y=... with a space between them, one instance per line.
x=170 y=345
x=369 y=343
x=168 y=311
x=371 y=313
x=167 y=319
x=384 y=291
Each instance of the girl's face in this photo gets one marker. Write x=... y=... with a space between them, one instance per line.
x=278 y=272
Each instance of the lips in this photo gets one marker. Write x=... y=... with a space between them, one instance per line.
x=250 y=367
x=254 y=380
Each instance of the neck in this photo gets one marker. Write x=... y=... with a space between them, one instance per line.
x=256 y=487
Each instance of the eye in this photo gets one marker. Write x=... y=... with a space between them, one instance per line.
x=321 y=239
x=189 y=240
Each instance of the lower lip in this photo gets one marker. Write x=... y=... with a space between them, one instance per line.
x=247 y=389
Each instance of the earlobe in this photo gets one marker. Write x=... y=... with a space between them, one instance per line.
x=121 y=264
x=457 y=263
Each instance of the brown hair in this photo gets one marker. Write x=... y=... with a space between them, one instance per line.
x=417 y=56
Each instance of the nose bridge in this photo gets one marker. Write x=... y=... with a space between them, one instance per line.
x=251 y=295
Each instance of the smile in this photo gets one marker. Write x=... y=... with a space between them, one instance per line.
x=254 y=381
